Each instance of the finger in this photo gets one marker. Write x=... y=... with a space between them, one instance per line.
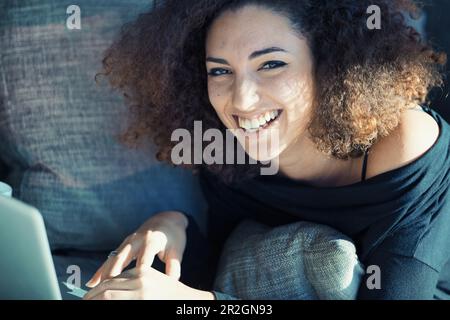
x=113 y=266
x=173 y=264
x=97 y=277
x=118 y=263
x=112 y=284
x=149 y=252
x=116 y=295
x=95 y=280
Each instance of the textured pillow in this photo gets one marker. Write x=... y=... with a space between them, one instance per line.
x=301 y=261
x=58 y=128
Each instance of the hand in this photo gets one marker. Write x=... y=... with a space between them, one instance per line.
x=143 y=283
x=164 y=235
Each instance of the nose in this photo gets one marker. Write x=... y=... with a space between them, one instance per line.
x=245 y=96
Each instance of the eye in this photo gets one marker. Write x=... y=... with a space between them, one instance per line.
x=216 y=72
x=273 y=65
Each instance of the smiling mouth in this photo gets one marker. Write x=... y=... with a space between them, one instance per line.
x=264 y=121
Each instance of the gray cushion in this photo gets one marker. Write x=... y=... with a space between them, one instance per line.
x=301 y=261
x=58 y=128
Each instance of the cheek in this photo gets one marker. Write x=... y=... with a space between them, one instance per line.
x=216 y=97
x=290 y=88
x=295 y=93
x=218 y=100
x=295 y=99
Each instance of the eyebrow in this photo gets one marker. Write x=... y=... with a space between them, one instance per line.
x=254 y=55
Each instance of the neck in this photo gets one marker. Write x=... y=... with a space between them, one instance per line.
x=302 y=161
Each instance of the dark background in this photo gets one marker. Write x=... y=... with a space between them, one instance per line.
x=438 y=30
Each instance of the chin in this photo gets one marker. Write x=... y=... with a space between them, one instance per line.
x=263 y=152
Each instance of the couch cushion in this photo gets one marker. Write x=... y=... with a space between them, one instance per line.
x=300 y=261
x=58 y=128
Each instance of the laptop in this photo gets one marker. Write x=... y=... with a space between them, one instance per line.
x=27 y=271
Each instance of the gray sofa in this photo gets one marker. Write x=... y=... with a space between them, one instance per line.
x=58 y=132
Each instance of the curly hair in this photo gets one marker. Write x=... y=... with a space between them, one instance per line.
x=364 y=78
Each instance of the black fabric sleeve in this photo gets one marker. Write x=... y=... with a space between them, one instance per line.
x=200 y=262
x=3 y=170
x=401 y=278
x=412 y=259
x=198 y=267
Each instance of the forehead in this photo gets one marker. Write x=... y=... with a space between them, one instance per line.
x=250 y=28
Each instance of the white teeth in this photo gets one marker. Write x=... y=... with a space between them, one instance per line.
x=274 y=114
x=246 y=124
x=255 y=124
x=262 y=120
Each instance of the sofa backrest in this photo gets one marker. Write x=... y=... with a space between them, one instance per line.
x=58 y=128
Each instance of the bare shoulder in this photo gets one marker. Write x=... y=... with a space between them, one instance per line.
x=415 y=135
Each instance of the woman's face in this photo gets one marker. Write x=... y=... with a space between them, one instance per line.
x=260 y=77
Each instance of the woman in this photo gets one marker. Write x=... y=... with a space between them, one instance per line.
x=358 y=150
